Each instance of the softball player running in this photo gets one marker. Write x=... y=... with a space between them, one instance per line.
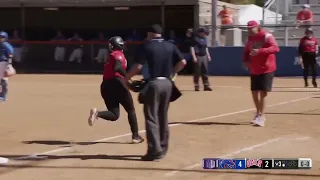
x=114 y=90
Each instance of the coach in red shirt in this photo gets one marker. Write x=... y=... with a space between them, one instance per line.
x=308 y=50
x=305 y=16
x=260 y=59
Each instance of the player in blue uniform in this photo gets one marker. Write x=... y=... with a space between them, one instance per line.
x=6 y=55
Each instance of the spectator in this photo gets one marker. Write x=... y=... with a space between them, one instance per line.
x=134 y=36
x=59 y=36
x=225 y=16
x=60 y=50
x=77 y=52
x=305 y=16
x=172 y=37
x=102 y=52
x=15 y=35
x=17 y=46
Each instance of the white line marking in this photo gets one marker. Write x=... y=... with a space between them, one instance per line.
x=95 y=84
x=64 y=149
x=250 y=148
x=190 y=86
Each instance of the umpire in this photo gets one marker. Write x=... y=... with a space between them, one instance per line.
x=201 y=57
x=308 y=50
x=159 y=55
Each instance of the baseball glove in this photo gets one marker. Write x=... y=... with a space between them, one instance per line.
x=137 y=85
x=10 y=71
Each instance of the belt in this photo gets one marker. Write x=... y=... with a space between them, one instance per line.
x=157 y=78
x=160 y=78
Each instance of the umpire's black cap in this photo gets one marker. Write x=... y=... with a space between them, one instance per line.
x=155 y=28
x=202 y=30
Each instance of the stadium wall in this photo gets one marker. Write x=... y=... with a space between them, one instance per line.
x=37 y=57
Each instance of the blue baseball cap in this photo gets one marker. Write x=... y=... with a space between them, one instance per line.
x=3 y=34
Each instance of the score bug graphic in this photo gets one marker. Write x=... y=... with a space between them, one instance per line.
x=254 y=163
x=227 y=164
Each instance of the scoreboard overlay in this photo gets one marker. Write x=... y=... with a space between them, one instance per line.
x=265 y=163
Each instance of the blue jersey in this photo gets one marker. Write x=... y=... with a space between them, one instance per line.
x=6 y=50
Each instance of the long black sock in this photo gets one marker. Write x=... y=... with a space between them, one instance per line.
x=133 y=122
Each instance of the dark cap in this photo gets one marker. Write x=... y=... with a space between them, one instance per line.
x=190 y=30
x=309 y=30
x=155 y=28
x=202 y=30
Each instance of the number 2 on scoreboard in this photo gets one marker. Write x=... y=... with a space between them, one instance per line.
x=266 y=163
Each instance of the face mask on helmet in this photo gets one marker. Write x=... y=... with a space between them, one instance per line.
x=309 y=34
x=110 y=47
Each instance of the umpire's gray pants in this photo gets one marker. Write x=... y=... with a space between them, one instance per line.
x=156 y=105
x=201 y=69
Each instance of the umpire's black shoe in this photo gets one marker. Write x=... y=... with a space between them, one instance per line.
x=136 y=139
x=314 y=83
x=152 y=157
x=207 y=88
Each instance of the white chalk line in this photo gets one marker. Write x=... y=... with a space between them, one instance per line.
x=250 y=148
x=184 y=86
x=191 y=86
x=70 y=149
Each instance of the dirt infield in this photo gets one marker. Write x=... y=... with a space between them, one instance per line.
x=44 y=131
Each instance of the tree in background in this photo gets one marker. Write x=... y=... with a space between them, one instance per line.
x=256 y=2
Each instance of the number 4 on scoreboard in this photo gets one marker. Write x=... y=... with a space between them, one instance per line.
x=240 y=163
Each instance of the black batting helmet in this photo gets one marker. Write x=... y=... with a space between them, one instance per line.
x=309 y=30
x=116 y=43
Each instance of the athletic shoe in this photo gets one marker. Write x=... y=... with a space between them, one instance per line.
x=93 y=116
x=314 y=83
x=255 y=119
x=2 y=99
x=3 y=160
x=136 y=139
x=196 y=88
x=207 y=88
x=260 y=121
x=152 y=157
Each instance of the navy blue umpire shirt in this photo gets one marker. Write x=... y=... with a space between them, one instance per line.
x=160 y=56
x=200 y=46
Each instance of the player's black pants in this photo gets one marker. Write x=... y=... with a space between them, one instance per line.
x=309 y=63
x=115 y=92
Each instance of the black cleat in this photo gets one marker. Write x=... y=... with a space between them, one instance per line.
x=155 y=157
x=207 y=88
x=306 y=84
x=196 y=88
x=314 y=83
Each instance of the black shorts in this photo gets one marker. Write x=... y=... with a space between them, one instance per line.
x=115 y=92
x=309 y=59
x=262 y=82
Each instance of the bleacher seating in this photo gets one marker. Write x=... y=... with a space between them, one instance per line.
x=294 y=35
